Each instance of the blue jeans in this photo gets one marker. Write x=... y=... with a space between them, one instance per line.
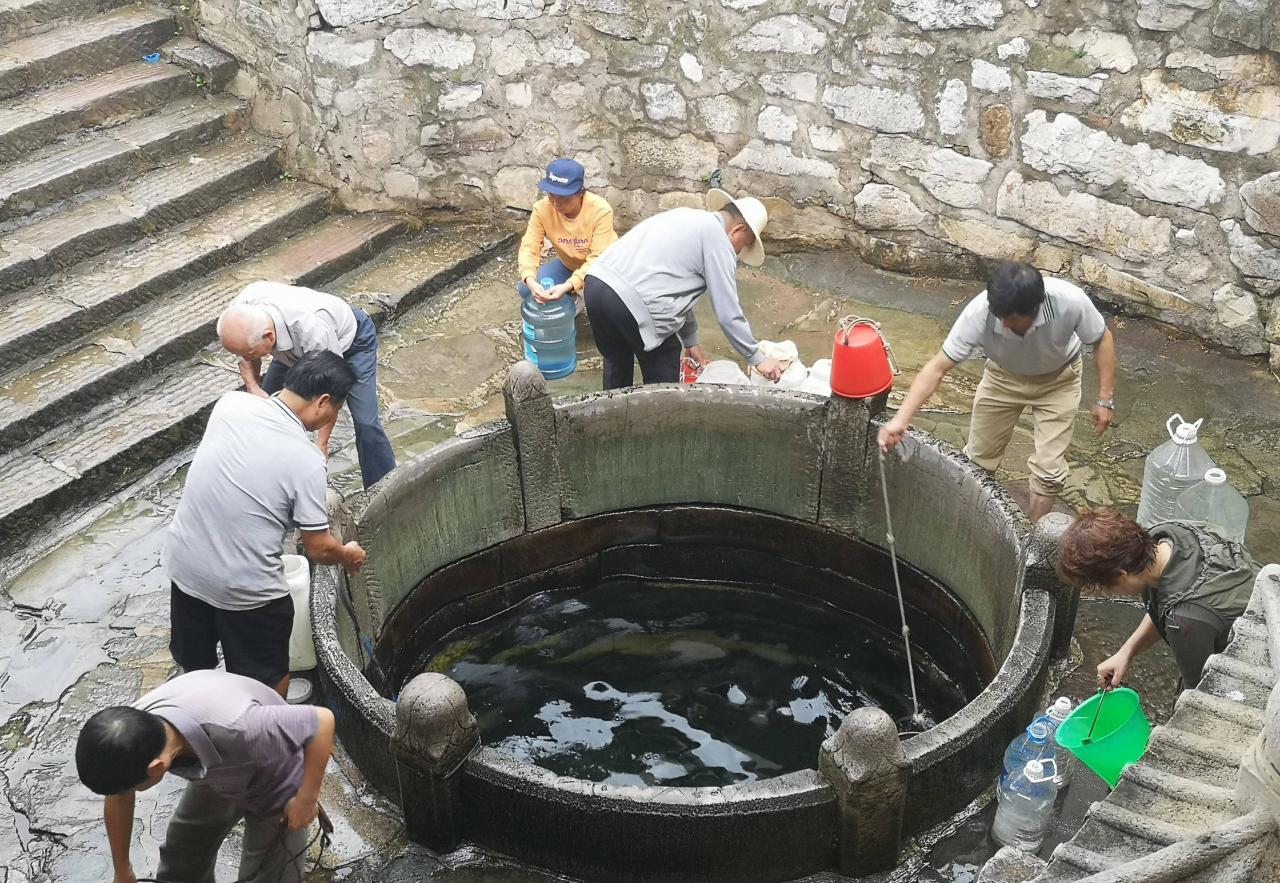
x=372 y=445
x=555 y=268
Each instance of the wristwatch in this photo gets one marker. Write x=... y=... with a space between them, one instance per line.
x=1109 y=404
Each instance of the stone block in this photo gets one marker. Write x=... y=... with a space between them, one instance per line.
x=1068 y=146
x=799 y=86
x=337 y=50
x=500 y=10
x=995 y=128
x=1251 y=255
x=778 y=159
x=987 y=239
x=461 y=96
x=1261 y=198
x=720 y=114
x=988 y=77
x=1239 y=117
x=947 y=175
x=878 y=44
x=873 y=107
x=217 y=67
x=785 y=34
x=1250 y=22
x=1083 y=219
x=951 y=107
x=1018 y=49
x=937 y=15
x=630 y=57
x=1133 y=291
x=663 y=101
x=340 y=13
x=517 y=186
x=531 y=415
x=432 y=47
x=1010 y=865
x=1104 y=49
x=1074 y=90
x=685 y=156
x=885 y=207
x=691 y=67
x=518 y=94
x=1168 y=15
x=826 y=138
x=1238 y=324
x=776 y=124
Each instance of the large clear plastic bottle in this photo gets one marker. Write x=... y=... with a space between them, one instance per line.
x=1034 y=744
x=1171 y=469
x=1216 y=503
x=1026 y=807
x=550 y=337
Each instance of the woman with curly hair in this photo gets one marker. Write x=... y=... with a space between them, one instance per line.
x=1193 y=581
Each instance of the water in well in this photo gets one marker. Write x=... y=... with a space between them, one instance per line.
x=678 y=684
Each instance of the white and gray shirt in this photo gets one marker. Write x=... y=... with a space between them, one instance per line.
x=660 y=268
x=1066 y=319
x=256 y=475
x=306 y=321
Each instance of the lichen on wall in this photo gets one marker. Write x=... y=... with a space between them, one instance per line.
x=1129 y=146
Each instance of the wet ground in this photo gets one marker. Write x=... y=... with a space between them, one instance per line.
x=84 y=619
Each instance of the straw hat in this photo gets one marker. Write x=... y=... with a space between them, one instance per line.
x=756 y=216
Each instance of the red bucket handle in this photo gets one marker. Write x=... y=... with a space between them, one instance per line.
x=846 y=326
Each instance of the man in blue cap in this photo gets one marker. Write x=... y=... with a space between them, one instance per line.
x=579 y=225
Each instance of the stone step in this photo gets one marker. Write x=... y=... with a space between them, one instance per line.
x=103 y=100
x=24 y=18
x=117 y=441
x=41 y=394
x=41 y=319
x=189 y=188
x=84 y=47
x=94 y=158
x=410 y=272
x=1157 y=831
x=1238 y=681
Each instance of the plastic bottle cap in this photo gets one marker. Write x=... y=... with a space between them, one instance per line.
x=1038 y=733
x=547 y=282
x=1215 y=476
x=1062 y=705
x=1035 y=769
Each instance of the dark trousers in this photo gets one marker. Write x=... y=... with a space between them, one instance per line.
x=618 y=339
x=269 y=852
x=372 y=445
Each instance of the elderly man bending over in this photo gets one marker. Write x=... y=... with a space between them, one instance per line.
x=289 y=322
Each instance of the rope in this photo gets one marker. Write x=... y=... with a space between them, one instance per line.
x=897 y=584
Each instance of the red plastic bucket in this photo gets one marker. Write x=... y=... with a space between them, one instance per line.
x=862 y=362
x=690 y=370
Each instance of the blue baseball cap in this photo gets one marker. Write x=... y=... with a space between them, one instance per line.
x=564 y=178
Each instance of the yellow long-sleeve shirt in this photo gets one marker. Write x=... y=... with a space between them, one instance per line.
x=577 y=243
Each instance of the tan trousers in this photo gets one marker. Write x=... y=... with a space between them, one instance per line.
x=998 y=403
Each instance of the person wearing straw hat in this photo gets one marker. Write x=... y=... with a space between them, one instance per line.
x=579 y=225
x=640 y=294
x=1194 y=582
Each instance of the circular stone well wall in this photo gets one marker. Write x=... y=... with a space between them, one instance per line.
x=642 y=483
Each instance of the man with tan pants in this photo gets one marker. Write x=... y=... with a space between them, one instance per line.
x=1031 y=330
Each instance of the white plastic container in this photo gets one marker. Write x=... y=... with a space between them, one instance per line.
x=302 y=644
x=1217 y=504
x=1026 y=807
x=1172 y=468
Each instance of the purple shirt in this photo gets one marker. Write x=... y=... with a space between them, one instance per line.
x=248 y=742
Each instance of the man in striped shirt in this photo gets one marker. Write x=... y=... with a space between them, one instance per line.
x=1031 y=331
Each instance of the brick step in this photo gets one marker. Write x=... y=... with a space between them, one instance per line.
x=107 y=99
x=82 y=48
x=43 y=318
x=410 y=272
x=44 y=392
x=126 y=434
x=25 y=18
x=189 y=188
x=93 y=158
x=114 y=443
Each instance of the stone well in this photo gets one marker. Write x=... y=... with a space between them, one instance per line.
x=566 y=492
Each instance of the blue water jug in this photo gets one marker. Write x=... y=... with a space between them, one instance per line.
x=550 y=339
x=1034 y=744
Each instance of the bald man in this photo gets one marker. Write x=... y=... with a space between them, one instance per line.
x=289 y=322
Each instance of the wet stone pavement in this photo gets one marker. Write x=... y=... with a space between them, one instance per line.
x=84 y=610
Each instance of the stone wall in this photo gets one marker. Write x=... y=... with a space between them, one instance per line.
x=1131 y=146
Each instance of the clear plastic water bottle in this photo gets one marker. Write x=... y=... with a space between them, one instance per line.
x=550 y=338
x=1026 y=807
x=1034 y=744
x=1052 y=718
x=1171 y=469
x=1216 y=503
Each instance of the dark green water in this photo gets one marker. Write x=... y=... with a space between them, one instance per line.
x=677 y=684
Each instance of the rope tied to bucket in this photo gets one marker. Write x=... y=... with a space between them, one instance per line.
x=916 y=717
